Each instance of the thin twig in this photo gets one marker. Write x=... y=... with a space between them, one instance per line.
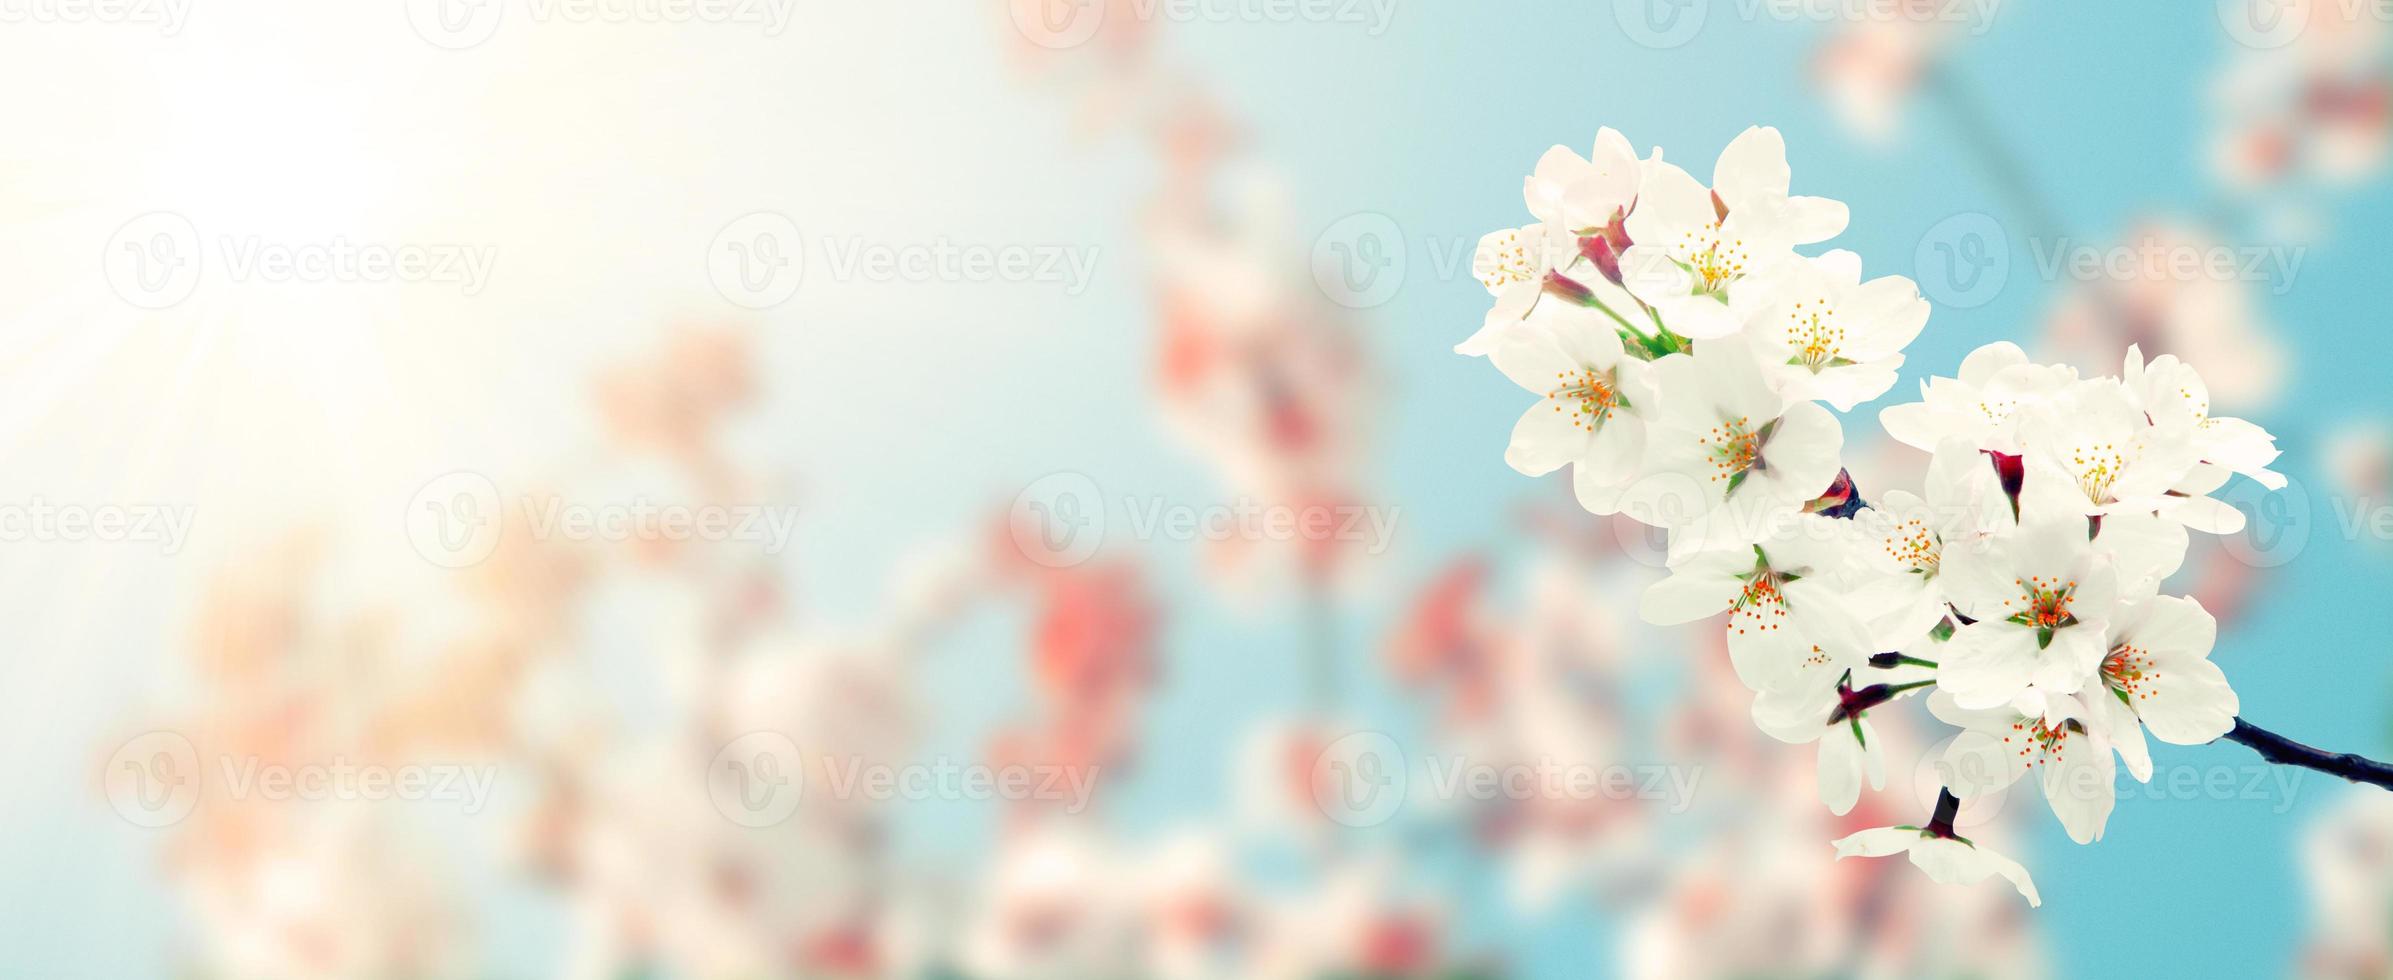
x=2287 y=752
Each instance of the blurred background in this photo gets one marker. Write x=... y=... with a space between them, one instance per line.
x=766 y=488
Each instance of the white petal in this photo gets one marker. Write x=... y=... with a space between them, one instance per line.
x=1702 y=586
x=2016 y=874
x=1981 y=365
x=2145 y=548
x=1796 y=711
x=1802 y=456
x=1763 y=649
x=2204 y=514
x=1502 y=324
x=1547 y=436
x=2188 y=703
x=1840 y=770
x=1950 y=862
x=1814 y=219
x=1617 y=449
x=1911 y=424
x=1752 y=168
x=1988 y=663
x=1697 y=317
x=1877 y=842
x=2078 y=782
x=1978 y=762
x=2126 y=733
x=1583 y=334
x=1954 y=863
x=1532 y=360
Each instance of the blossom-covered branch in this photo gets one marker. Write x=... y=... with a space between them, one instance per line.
x=1691 y=366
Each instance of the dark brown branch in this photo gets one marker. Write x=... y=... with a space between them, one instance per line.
x=2287 y=752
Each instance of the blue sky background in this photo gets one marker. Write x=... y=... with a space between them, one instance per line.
x=909 y=417
x=1434 y=122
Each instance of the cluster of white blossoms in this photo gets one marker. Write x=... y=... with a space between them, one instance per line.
x=1681 y=347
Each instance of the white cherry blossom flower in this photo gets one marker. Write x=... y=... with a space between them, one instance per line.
x=1577 y=193
x=2090 y=450
x=2158 y=676
x=1751 y=174
x=2144 y=550
x=2041 y=598
x=1511 y=257
x=2057 y=735
x=1831 y=706
x=2174 y=397
x=1724 y=454
x=1786 y=600
x=1569 y=195
x=1514 y=264
x=1523 y=267
x=1947 y=860
x=1982 y=405
x=1905 y=535
x=1593 y=395
x=1829 y=336
x=1694 y=251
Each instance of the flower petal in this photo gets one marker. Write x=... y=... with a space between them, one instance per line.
x=1877 y=842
